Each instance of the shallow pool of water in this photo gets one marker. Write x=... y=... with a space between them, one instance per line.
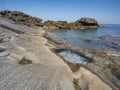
x=74 y=57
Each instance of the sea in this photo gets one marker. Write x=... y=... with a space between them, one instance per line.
x=107 y=37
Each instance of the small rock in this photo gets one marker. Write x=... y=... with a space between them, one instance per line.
x=4 y=54
x=2 y=48
x=32 y=57
x=17 y=57
x=21 y=48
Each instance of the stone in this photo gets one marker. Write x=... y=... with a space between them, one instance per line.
x=32 y=57
x=16 y=57
x=88 y=21
x=4 y=54
x=89 y=81
x=2 y=48
x=82 y=23
x=1 y=39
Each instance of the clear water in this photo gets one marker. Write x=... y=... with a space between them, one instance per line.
x=108 y=37
x=74 y=57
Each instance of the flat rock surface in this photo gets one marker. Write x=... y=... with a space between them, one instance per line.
x=46 y=72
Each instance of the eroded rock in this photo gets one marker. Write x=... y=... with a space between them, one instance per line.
x=32 y=57
x=88 y=21
x=4 y=54
x=21 y=18
x=2 y=48
x=88 y=81
x=83 y=23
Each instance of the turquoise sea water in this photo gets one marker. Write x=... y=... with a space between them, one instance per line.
x=108 y=37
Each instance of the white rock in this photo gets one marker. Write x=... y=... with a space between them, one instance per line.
x=21 y=48
x=4 y=54
x=32 y=57
x=17 y=57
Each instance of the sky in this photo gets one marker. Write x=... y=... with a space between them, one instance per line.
x=104 y=11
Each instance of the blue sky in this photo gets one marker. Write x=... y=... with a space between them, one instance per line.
x=104 y=11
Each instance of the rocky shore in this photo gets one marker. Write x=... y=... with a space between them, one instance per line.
x=27 y=61
x=21 y=18
x=105 y=63
x=83 y=23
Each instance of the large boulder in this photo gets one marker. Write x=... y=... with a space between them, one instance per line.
x=88 y=21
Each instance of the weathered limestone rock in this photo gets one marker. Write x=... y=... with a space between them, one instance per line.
x=16 y=56
x=4 y=54
x=32 y=57
x=88 y=81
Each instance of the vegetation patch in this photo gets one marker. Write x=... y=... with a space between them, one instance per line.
x=76 y=86
x=25 y=61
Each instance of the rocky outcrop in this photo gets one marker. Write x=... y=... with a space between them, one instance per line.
x=88 y=22
x=21 y=18
x=83 y=23
x=56 y=24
